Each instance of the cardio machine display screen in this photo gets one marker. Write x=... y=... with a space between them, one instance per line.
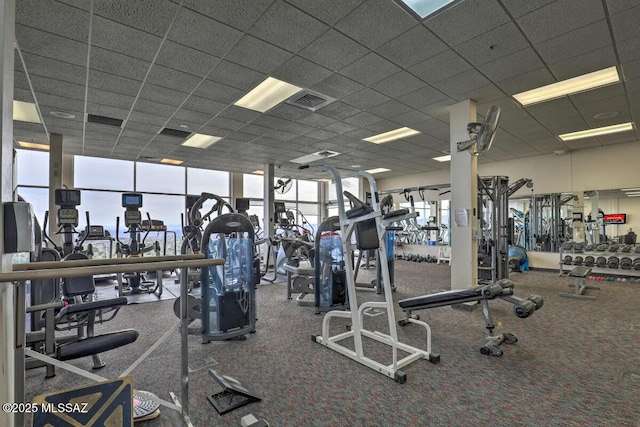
x=68 y=216
x=66 y=197
x=132 y=200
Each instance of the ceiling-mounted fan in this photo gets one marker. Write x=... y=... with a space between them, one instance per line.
x=482 y=134
x=283 y=185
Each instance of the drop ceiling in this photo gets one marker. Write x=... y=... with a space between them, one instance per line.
x=182 y=65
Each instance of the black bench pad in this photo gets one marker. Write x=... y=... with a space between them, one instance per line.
x=582 y=272
x=442 y=298
x=94 y=345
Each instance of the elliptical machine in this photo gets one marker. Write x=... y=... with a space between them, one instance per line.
x=137 y=283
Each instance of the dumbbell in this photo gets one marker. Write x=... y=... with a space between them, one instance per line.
x=567 y=246
x=613 y=262
x=614 y=248
x=602 y=248
x=589 y=261
x=625 y=248
x=578 y=247
x=601 y=262
x=568 y=259
x=636 y=264
x=578 y=260
x=626 y=263
x=589 y=247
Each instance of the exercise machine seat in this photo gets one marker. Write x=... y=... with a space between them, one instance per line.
x=91 y=306
x=95 y=345
x=301 y=271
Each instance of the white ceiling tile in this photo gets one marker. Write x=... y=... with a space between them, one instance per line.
x=583 y=40
x=152 y=16
x=551 y=21
x=492 y=45
x=51 y=46
x=117 y=37
x=412 y=47
x=399 y=84
x=287 y=27
x=466 y=20
x=333 y=50
x=183 y=58
x=440 y=67
x=202 y=33
x=375 y=22
x=236 y=76
x=300 y=72
x=241 y=14
x=257 y=54
x=370 y=69
x=625 y=25
x=518 y=7
x=70 y=22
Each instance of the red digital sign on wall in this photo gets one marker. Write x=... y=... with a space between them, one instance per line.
x=615 y=219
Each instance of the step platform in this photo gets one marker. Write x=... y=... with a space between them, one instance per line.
x=107 y=403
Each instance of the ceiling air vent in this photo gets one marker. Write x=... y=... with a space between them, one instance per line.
x=175 y=132
x=309 y=100
x=103 y=120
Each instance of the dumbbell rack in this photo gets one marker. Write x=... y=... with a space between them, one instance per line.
x=585 y=252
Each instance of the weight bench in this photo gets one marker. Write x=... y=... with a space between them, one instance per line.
x=503 y=289
x=580 y=274
x=80 y=315
x=300 y=280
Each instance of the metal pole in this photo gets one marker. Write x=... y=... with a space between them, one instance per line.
x=20 y=364
x=184 y=346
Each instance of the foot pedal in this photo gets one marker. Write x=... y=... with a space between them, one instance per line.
x=234 y=395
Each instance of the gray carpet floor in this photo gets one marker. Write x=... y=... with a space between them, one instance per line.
x=576 y=362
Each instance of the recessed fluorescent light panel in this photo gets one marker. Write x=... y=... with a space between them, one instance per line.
x=199 y=140
x=324 y=154
x=392 y=135
x=446 y=158
x=323 y=180
x=378 y=170
x=630 y=189
x=258 y=172
x=424 y=8
x=267 y=95
x=33 y=145
x=171 y=161
x=633 y=193
x=596 y=132
x=568 y=87
x=25 y=112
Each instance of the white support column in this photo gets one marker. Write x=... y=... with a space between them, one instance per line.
x=464 y=199
x=237 y=188
x=68 y=168
x=55 y=182
x=7 y=311
x=269 y=197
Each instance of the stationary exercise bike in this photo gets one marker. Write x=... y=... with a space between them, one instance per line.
x=136 y=283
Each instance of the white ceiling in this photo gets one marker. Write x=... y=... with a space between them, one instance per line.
x=161 y=63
